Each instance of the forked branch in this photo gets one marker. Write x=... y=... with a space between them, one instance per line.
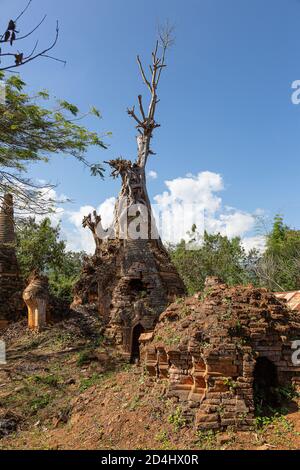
x=146 y=121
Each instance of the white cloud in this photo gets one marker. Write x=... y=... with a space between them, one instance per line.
x=193 y=199
x=50 y=194
x=258 y=242
x=233 y=224
x=192 y=189
x=80 y=239
x=152 y=175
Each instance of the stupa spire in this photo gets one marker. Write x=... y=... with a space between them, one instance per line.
x=7 y=230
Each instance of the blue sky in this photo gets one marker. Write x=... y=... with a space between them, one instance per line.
x=225 y=97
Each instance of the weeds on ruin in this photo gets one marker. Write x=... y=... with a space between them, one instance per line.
x=127 y=367
x=177 y=419
x=206 y=439
x=230 y=383
x=185 y=312
x=205 y=294
x=163 y=438
x=288 y=392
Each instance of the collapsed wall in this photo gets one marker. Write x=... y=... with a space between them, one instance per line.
x=223 y=349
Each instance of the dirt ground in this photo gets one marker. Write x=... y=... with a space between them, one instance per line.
x=62 y=389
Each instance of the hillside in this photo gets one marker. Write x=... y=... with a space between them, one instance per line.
x=63 y=389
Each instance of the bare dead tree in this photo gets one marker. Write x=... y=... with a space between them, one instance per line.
x=133 y=174
x=12 y=60
x=92 y=221
x=266 y=270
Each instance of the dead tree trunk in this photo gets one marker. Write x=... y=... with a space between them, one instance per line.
x=133 y=204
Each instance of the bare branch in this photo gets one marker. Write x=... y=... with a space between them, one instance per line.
x=167 y=40
x=32 y=31
x=22 y=12
x=33 y=50
x=33 y=57
x=132 y=114
x=58 y=60
x=141 y=107
x=143 y=73
x=147 y=123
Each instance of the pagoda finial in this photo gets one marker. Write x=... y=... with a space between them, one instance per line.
x=7 y=229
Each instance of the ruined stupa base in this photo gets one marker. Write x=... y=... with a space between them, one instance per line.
x=223 y=351
x=132 y=282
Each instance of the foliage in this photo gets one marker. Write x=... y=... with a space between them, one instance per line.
x=90 y=382
x=230 y=383
x=39 y=403
x=177 y=419
x=278 y=268
x=215 y=255
x=206 y=439
x=84 y=358
x=31 y=132
x=40 y=248
x=50 y=380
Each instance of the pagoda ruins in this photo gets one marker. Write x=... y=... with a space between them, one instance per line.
x=131 y=279
x=10 y=283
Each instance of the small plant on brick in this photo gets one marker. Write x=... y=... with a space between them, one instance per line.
x=185 y=312
x=230 y=383
x=204 y=344
x=177 y=419
x=205 y=294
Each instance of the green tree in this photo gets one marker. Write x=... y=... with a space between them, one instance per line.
x=63 y=278
x=30 y=132
x=39 y=248
x=279 y=267
x=216 y=255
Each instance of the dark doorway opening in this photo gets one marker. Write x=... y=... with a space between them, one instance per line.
x=136 y=285
x=135 y=345
x=265 y=387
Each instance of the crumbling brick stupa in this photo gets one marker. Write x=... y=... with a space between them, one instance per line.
x=10 y=283
x=223 y=350
x=131 y=278
x=130 y=282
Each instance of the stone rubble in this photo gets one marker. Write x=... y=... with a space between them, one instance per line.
x=207 y=348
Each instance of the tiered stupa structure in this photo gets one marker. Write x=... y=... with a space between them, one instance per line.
x=131 y=278
x=10 y=285
x=226 y=354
